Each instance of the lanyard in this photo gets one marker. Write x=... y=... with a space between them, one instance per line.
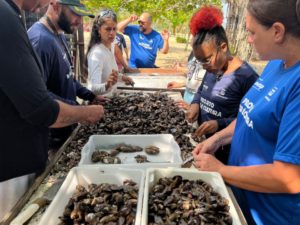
x=62 y=43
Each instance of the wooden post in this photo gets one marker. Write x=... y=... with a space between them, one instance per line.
x=82 y=74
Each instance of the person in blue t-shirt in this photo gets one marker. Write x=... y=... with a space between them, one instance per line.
x=145 y=41
x=264 y=162
x=226 y=81
x=48 y=39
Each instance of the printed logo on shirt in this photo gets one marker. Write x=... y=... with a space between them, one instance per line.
x=145 y=45
x=222 y=92
x=208 y=107
x=245 y=109
x=258 y=86
x=205 y=87
x=271 y=93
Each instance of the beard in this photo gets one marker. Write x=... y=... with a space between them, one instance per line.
x=64 y=23
x=142 y=29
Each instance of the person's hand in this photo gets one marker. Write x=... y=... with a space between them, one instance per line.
x=100 y=99
x=165 y=35
x=94 y=113
x=192 y=114
x=174 y=84
x=182 y=104
x=130 y=70
x=112 y=79
x=208 y=127
x=207 y=162
x=209 y=145
x=127 y=80
x=132 y=18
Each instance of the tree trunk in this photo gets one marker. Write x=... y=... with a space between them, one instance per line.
x=236 y=29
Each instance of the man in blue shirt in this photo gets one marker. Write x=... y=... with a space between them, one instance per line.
x=47 y=37
x=145 y=41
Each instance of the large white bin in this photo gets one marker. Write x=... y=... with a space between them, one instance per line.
x=169 y=155
x=212 y=178
x=88 y=175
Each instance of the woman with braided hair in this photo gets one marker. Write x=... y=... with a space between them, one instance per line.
x=264 y=161
x=226 y=81
x=101 y=62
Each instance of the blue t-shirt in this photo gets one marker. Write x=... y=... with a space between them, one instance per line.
x=267 y=130
x=58 y=74
x=144 y=47
x=219 y=100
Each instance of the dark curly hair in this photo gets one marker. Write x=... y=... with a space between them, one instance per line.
x=206 y=24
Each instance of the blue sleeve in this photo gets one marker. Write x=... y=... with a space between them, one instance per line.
x=83 y=93
x=160 y=42
x=129 y=30
x=288 y=141
x=196 y=99
x=197 y=96
x=44 y=49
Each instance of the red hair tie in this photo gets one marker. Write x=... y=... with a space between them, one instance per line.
x=207 y=18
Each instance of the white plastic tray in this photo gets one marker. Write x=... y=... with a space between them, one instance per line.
x=169 y=155
x=212 y=178
x=88 y=175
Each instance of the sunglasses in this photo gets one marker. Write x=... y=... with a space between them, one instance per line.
x=107 y=13
x=141 y=22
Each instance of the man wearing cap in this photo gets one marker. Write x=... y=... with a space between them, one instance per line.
x=47 y=37
x=27 y=109
x=145 y=41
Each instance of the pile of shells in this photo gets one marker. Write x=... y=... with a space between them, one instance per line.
x=132 y=113
x=180 y=201
x=110 y=156
x=102 y=204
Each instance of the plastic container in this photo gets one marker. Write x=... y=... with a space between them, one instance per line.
x=169 y=155
x=88 y=175
x=212 y=178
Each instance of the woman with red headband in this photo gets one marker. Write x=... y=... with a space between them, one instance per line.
x=226 y=81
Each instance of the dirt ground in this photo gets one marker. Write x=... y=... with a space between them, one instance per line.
x=177 y=53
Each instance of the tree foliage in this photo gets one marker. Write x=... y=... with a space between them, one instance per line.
x=169 y=13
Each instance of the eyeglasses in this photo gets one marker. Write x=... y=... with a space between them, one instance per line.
x=208 y=60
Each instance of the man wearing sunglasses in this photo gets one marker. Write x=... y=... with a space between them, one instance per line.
x=27 y=109
x=48 y=39
x=145 y=41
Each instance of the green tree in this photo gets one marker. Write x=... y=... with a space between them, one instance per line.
x=170 y=13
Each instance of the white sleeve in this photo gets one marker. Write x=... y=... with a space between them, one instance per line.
x=95 y=69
